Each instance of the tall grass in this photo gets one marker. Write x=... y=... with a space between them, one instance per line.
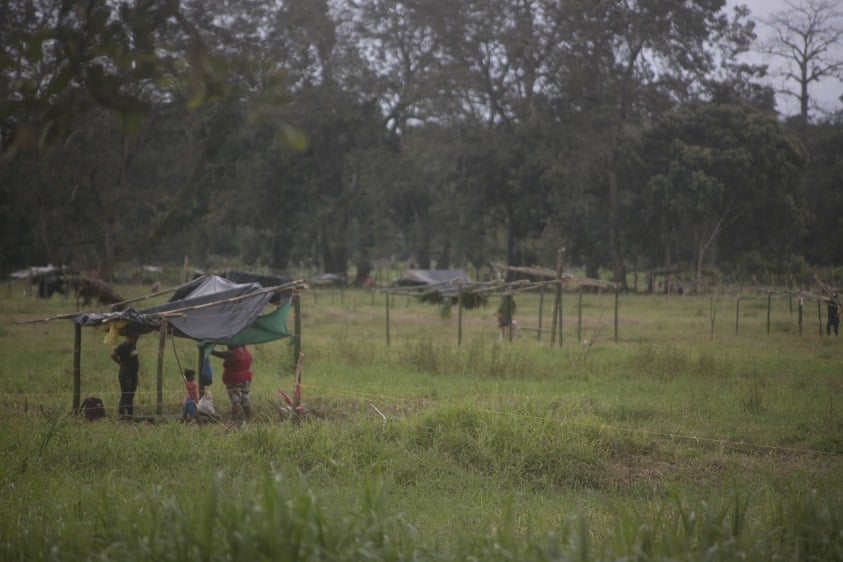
x=664 y=445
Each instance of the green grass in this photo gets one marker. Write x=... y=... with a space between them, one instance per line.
x=668 y=443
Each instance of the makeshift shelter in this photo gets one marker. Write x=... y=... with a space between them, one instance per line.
x=209 y=309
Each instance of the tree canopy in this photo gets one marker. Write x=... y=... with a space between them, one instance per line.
x=330 y=134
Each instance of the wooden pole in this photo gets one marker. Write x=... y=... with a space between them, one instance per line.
x=387 y=318
x=579 y=314
x=159 y=380
x=541 y=307
x=200 y=368
x=712 y=315
x=801 y=306
x=737 y=313
x=77 y=363
x=617 y=298
x=561 y=313
x=769 y=306
x=820 y=317
x=296 y=327
x=459 y=323
x=558 y=298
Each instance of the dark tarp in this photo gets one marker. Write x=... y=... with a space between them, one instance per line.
x=420 y=277
x=208 y=309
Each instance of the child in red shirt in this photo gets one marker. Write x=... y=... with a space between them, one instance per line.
x=192 y=398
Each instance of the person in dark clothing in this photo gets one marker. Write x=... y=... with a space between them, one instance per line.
x=126 y=355
x=833 y=320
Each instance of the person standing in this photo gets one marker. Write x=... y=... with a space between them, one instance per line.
x=505 y=316
x=237 y=377
x=833 y=320
x=192 y=396
x=126 y=355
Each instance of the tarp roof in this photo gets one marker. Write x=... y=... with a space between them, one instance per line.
x=431 y=276
x=209 y=309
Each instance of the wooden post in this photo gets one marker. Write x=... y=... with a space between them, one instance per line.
x=579 y=314
x=77 y=363
x=541 y=307
x=820 y=317
x=712 y=315
x=558 y=298
x=200 y=369
x=159 y=380
x=387 y=318
x=737 y=313
x=801 y=306
x=459 y=319
x=296 y=327
x=617 y=298
x=561 y=311
x=769 y=305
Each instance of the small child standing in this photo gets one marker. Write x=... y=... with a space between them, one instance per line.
x=192 y=398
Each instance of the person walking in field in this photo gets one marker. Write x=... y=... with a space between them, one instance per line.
x=237 y=377
x=833 y=320
x=505 y=316
x=126 y=355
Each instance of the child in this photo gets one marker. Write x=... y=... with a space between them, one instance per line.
x=192 y=398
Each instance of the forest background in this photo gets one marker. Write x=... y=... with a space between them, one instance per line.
x=334 y=135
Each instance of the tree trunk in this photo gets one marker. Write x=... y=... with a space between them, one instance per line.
x=618 y=269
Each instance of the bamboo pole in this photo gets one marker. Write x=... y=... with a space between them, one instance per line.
x=561 y=313
x=297 y=326
x=541 y=307
x=820 y=317
x=769 y=306
x=459 y=322
x=801 y=306
x=159 y=380
x=617 y=299
x=200 y=368
x=579 y=313
x=77 y=363
x=387 y=318
x=558 y=297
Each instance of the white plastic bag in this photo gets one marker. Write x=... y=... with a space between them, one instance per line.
x=206 y=405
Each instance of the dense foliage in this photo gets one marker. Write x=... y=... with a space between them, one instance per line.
x=332 y=134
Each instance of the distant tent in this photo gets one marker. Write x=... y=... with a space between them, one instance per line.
x=422 y=277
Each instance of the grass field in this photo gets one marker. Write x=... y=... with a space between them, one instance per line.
x=704 y=431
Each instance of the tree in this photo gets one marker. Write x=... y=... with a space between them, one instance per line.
x=807 y=38
x=725 y=168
